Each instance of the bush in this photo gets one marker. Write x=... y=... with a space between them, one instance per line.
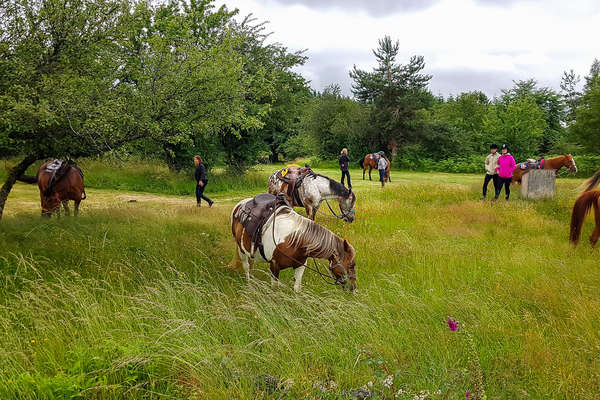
x=586 y=164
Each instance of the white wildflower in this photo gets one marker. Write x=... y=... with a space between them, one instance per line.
x=388 y=382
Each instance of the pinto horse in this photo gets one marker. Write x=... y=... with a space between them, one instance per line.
x=288 y=240
x=65 y=185
x=551 y=163
x=369 y=161
x=304 y=188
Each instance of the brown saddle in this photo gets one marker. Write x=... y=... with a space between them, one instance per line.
x=293 y=177
x=256 y=212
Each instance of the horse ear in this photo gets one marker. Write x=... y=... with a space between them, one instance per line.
x=346 y=245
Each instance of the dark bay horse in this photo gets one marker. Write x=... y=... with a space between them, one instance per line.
x=551 y=163
x=370 y=161
x=60 y=186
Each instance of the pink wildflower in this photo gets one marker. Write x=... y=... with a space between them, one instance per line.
x=452 y=324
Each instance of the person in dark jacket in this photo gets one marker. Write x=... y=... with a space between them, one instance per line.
x=344 y=163
x=201 y=182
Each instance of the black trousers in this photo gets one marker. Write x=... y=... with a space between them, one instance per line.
x=486 y=182
x=200 y=193
x=506 y=182
x=346 y=174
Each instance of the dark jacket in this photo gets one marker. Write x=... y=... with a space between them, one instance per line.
x=344 y=161
x=200 y=173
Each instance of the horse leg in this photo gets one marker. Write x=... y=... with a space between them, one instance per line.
x=274 y=274
x=245 y=264
x=364 y=169
x=298 y=272
x=311 y=212
x=370 y=169
x=76 y=212
x=65 y=204
x=596 y=233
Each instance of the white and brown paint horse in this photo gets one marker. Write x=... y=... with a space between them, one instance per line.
x=313 y=190
x=288 y=240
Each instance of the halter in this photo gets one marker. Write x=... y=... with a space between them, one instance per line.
x=346 y=210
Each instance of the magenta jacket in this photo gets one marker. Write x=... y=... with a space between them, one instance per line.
x=506 y=167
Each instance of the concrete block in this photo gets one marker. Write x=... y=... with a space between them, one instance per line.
x=538 y=184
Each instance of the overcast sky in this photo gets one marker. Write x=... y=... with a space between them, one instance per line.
x=467 y=44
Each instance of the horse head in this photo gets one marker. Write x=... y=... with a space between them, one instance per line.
x=347 y=206
x=49 y=204
x=344 y=270
x=569 y=163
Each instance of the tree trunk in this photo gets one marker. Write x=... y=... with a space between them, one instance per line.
x=13 y=175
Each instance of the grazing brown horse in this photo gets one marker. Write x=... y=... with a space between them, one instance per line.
x=65 y=185
x=368 y=161
x=583 y=204
x=551 y=163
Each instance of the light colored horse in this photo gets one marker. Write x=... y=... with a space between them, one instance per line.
x=312 y=190
x=288 y=240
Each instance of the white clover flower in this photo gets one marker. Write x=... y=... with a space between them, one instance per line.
x=388 y=382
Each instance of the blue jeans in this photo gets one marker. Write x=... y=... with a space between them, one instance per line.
x=382 y=175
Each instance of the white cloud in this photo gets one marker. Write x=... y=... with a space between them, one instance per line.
x=492 y=40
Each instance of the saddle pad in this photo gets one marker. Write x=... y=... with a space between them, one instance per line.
x=54 y=165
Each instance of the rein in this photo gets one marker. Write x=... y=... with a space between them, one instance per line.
x=344 y=214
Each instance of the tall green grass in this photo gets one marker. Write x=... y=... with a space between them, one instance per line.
x=134 y=300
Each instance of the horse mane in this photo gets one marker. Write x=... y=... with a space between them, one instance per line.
x=336 y=187
x=318 y=241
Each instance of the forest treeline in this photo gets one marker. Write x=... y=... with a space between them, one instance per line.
x=166 y=80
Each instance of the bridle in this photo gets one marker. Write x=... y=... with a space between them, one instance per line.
x=346 y=210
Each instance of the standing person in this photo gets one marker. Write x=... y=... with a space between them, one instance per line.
x=506 y=166
x=491 y=163
x=382 y=166
x=344 y=163
x=201 y=182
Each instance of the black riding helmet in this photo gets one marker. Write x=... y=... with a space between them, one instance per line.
x=504 y=146
x=493 y=146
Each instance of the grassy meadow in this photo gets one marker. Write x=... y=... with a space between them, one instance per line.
x=133 y=298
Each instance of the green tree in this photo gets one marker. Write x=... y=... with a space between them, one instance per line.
x=586 y=129
x=550 y=103
x=520 y=124
x=463 y=117
x=83 y=77
x=395 y=91
x=333 y=122
x=571 y=95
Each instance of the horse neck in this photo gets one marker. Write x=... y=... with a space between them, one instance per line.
x=322 y=184
x=313 y=239
x=555 y=163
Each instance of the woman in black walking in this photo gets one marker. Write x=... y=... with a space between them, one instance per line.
x=201 y=182
x=344 y=163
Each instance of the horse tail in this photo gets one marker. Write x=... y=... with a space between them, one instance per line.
x=362 y=163
x=593 y=181
x=582 y=206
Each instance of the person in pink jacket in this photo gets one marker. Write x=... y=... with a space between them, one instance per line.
x=506 y=166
